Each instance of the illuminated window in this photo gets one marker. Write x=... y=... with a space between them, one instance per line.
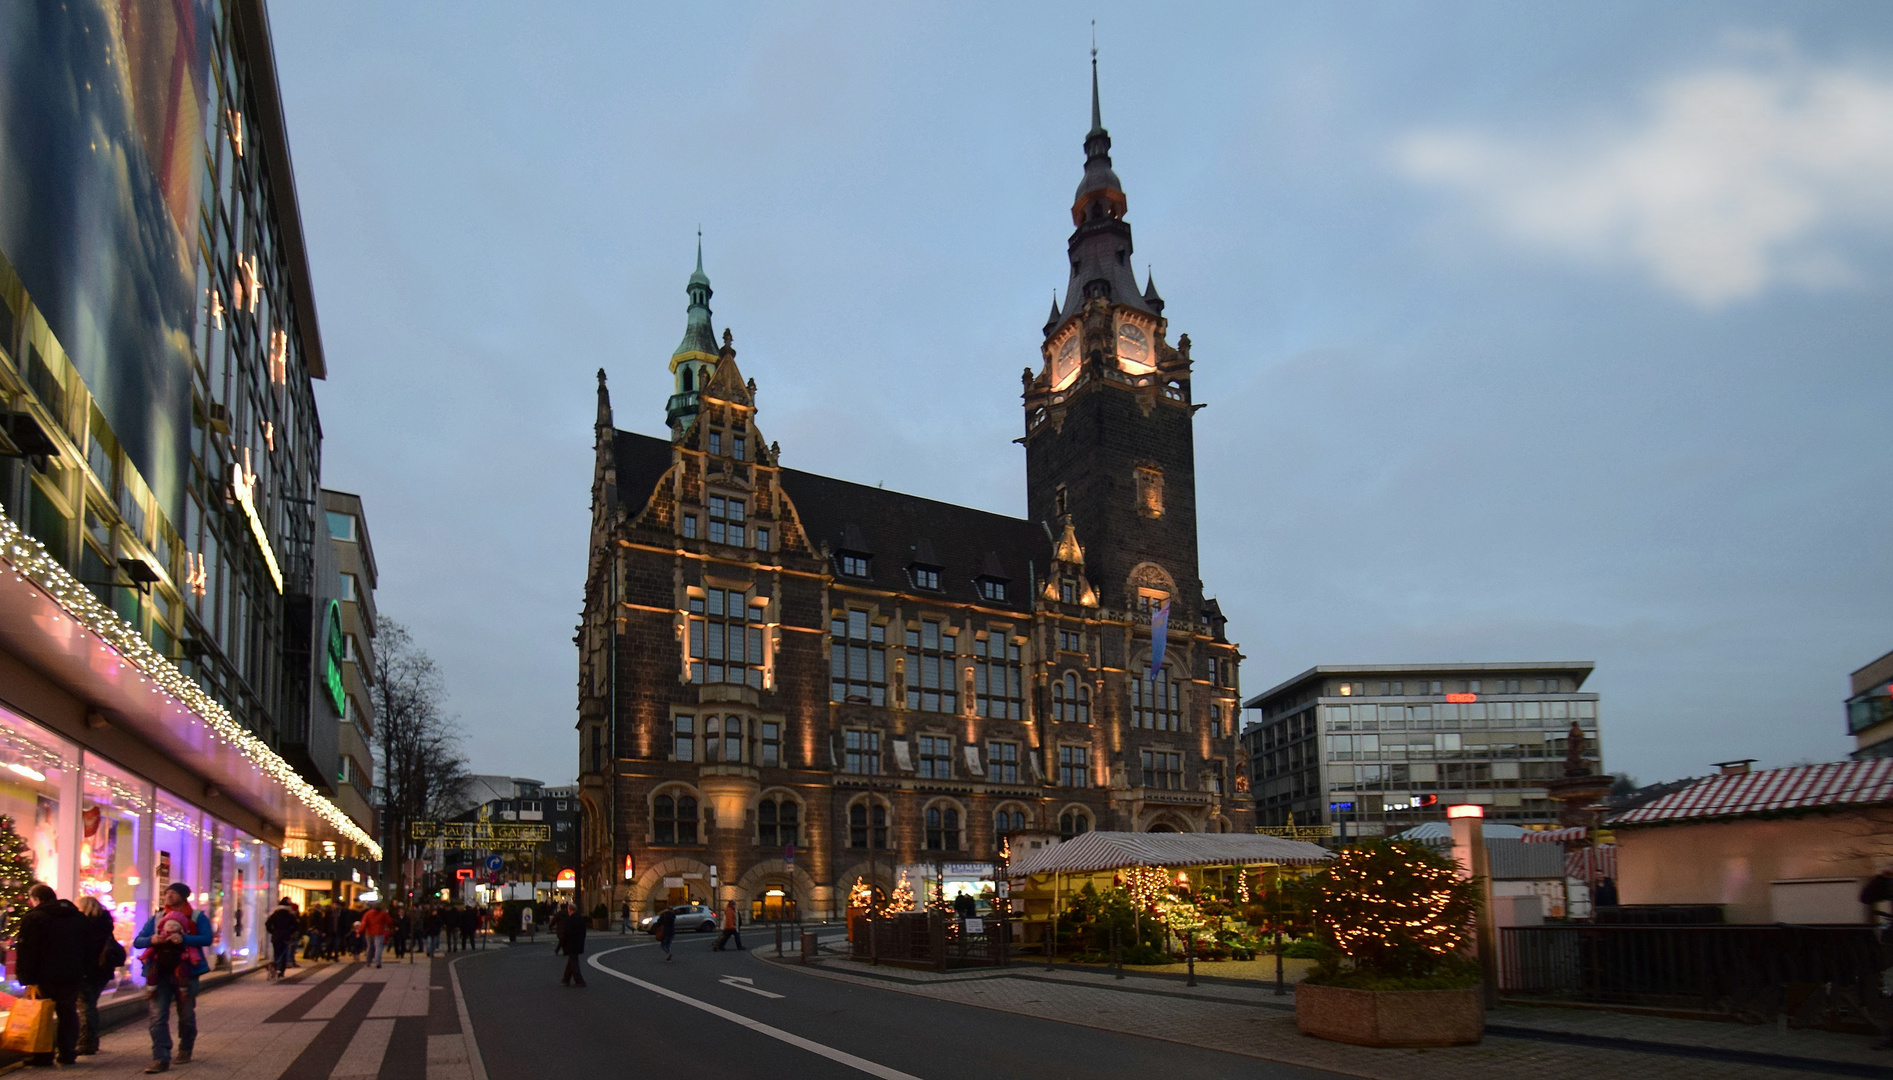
x=862 y=752
x=1002 y=762
x=998 y=677
x=1156 y=705
x=930 y=683
x=726 y=521
x=1163 y=769
x=726 y=639
x=1072 y=766
x=936 y=757
x=943 y=829
x=857 y=659
x=778 y=821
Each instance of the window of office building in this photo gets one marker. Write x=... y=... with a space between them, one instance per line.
x=943 y=828
x=1071 y=700
x=1002 y=762
x=1163 y=769
x=998 y=676
x=930 y=653
x=1156 y=704
x=857 y=659
x=1072 y=767
x=726 y=638
x=936 y=757
x=778 y=821
x=726 y=521
x=862 y=752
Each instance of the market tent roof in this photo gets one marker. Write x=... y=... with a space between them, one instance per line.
x=1117 y=850
x=1772 y=791
x=1432 y=832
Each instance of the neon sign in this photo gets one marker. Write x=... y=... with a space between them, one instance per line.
x=337 y=655
x=1461 y=699
x=243 y=486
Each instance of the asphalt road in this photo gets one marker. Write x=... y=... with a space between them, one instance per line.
x=682 y=1020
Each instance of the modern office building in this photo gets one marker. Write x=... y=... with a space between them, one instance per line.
x=162 y=579
x=791 y=683
x=1371 y=751
x=1870 y=709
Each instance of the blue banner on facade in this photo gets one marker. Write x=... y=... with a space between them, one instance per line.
x=1159 y=636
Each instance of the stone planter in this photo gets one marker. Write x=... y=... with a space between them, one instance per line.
x=1391 y=1017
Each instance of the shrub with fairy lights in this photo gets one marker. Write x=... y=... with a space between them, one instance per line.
x=1399 y=912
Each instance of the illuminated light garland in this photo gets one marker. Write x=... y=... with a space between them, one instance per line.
x=33 y=564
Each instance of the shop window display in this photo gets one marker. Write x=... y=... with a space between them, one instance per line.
x=115 y=842
x=38 y=800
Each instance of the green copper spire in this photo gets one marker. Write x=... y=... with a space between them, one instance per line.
x=698 y=336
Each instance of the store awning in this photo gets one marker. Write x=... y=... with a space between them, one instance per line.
x=1117 y=850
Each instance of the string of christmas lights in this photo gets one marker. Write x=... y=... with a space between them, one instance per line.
x=33 y=564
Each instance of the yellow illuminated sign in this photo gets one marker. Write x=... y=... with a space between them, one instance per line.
x=243 y=485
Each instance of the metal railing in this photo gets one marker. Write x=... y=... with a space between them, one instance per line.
x=931 y=939
x=1752 y=972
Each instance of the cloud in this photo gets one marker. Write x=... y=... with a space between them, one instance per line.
x=1731 y=180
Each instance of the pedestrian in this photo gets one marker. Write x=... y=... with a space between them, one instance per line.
x=1606 y=893
x=352 y=931
x=104 y=956
x=526 y=921
x=312 y=926
x=624 y=918
x=729 y=928
x=173 y=941
x=572 y=944
x=281 y=927
x=375 y=924
x=431 y=924
x=50 y=957
x=666 y=930
x=403 y=933
x=450 y=926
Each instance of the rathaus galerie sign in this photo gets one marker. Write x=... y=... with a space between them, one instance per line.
x=789 y=682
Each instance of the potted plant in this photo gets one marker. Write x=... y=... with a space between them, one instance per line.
x=1391 y=919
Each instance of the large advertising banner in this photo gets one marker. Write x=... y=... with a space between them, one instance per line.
x=102 y=112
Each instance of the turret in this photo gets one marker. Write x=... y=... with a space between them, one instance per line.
x=697 y=355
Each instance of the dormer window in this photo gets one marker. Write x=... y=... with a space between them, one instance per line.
x=853 y=565
x=992 y=589
x=1068 y=590
x=925 y=577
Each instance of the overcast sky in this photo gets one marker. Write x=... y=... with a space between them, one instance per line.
x=1527 y=331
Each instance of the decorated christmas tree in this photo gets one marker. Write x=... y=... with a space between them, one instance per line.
x=1396 y=910
x=16 y=876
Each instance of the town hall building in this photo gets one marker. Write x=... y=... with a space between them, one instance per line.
x=791 y=683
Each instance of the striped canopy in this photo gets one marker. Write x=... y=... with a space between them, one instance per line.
x=1117 y=850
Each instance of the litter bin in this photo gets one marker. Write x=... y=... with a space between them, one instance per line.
x=808 y=946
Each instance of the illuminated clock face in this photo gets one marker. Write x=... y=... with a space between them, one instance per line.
x=1065 y=361
x=1133 y=348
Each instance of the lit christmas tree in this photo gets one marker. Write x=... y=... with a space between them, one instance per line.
x=16 y=876
x=861 y=896
x=903 y=898
x=1395 y=909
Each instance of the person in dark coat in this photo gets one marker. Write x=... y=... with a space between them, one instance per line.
x=404 y=934
x=572 y=944
x=666 y=930
x=281 y=926
x=50 y=957
x=1607 y=893
x=103 y=956
x=431 y=924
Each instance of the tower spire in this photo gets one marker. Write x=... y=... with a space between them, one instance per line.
x=697 y=355
x=1097 y=115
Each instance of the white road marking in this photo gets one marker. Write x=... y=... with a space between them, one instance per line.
x=745 y=984
x=466 y=1022
x=813 y=1047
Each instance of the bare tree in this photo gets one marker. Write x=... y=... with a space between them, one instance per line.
x=420 y=772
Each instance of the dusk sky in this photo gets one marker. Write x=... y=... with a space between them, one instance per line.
x=1527 y=331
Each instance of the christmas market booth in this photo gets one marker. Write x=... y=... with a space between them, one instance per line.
x=1145 y=894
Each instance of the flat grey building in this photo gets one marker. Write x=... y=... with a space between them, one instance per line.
x=1373 y=750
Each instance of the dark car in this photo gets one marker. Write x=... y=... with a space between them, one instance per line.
x=689 y=917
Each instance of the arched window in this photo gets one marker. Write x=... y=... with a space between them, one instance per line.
x=778 y=821
x=1074 y=823
x=1009 y=821
x=674 y=819
x=1071 y=700
x=1158 y=704
x=943 y=828
x=859 y=834
x=690 y=380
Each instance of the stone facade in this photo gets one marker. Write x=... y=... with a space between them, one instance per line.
x=791 y=683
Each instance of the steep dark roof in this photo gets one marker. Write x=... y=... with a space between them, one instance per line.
x=893 y=529
x=897 y=530
x=642 y=460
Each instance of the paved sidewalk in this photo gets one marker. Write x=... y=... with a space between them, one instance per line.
x=1546 y=1044
x=327 y=1021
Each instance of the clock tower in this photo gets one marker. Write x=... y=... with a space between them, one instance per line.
x=1108 y=417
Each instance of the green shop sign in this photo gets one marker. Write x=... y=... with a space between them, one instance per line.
x=332 y=670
